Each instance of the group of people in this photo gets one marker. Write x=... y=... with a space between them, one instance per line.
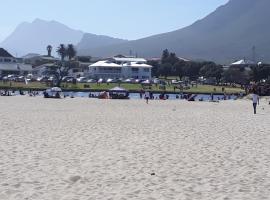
x=149 y=95
x=54 y=95
x=6 y=93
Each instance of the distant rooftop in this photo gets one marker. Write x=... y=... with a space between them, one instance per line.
x=112 y=64
x=129 y=59
x=4 y=53
x=136 y=64
x=105 y=64
x=243 y=62
x=15 y=67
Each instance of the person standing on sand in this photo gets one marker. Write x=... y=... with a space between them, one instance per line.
x=147 y=96
x=256 y=101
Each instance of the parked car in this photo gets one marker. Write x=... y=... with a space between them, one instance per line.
x=10 y=77
x=66 y=78
x=51 y=78
x=110 y=80
x=101 y=80
x=156 y=81
x=91 y=81
x=42 y=79
x=138 y=81
x=82 y=80
x=176 y=82
x=129 y=80
x=72 y=80
x=20 y=79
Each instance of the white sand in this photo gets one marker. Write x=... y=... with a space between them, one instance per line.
x=84 y=149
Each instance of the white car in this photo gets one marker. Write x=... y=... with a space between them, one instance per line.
x=110 y=80
x=100 y=80
x=82 y=80
x=156 y=81
x=91 y=81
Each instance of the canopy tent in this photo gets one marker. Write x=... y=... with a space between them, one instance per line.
x=118 y=89
x=53 y=93
x=119 y=93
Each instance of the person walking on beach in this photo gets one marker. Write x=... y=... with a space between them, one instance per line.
x=147 y=96
x=256 y=101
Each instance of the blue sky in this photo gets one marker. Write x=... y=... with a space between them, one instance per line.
x=128 y=19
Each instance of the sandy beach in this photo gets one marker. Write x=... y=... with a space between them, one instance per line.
x=84 y=149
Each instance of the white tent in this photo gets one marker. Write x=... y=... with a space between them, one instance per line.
x=120 y=89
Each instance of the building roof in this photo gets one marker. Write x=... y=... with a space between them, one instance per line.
x=105 y=64
x=184 y=59
x=129 y=59
x=112 y=64
x=4 y=53
x=44 y=66
x=30 y=55
x=136 y=64
x=243 y=62
x=15 y=67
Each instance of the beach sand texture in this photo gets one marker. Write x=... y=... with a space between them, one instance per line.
x=84 y=149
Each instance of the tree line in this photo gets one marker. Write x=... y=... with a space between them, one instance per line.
x=171 y=65
x=67 y=54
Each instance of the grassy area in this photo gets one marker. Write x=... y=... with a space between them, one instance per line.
x=218 y=89
x=134 y=87
x=23 y=85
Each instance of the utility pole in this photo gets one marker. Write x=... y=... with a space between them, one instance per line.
x=254 y=54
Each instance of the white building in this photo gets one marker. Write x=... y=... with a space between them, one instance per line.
x=79 y=69
x=10 y=65
x=121 y=68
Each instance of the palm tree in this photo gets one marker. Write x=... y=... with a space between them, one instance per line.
x=62 y=52
x=49 y=49
x=71 y=52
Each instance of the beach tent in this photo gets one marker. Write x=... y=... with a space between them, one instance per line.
x=53 y=92
x=118 y=89
x=119 y=93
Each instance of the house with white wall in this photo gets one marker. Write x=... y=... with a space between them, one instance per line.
x=123 y=67
x=10 y=65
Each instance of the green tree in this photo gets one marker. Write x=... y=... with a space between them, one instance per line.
x=62 y=68
x=71 y=52
x=156 y=66
x=236 y=75
x=165 y=56
x=62 y=52
x=192 y=69
x=49 y=49
x=178 y=68
x=211 y=70
x=165 y=69
x=260 y=72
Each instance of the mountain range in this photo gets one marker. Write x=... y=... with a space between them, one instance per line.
x=36 y=36
x=236 y=30
x=239 y=29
